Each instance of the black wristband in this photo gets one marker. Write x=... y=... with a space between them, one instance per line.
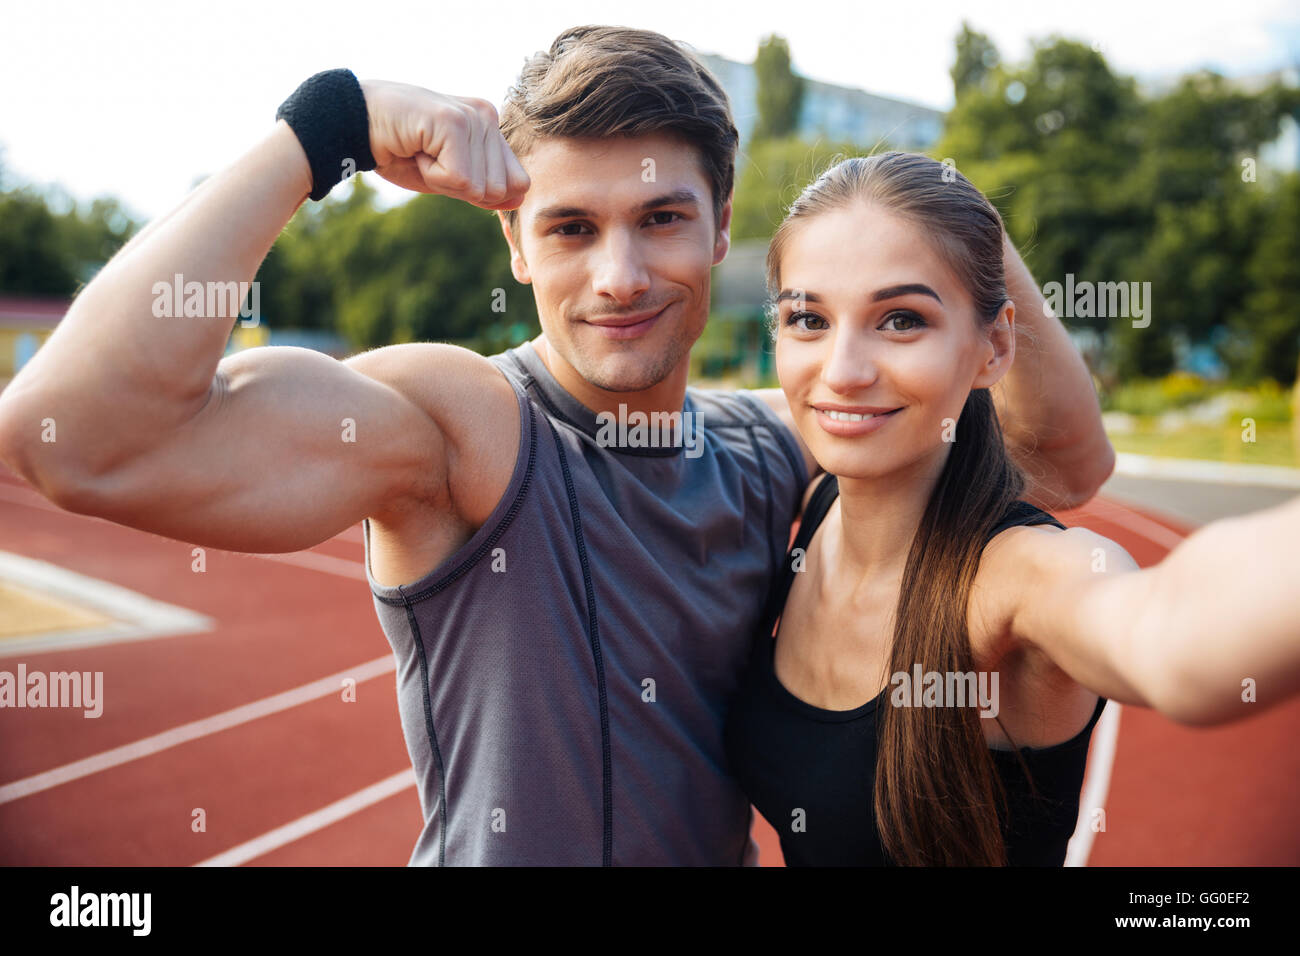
x=328 y=115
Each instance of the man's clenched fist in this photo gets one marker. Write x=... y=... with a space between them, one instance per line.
x=432 y=143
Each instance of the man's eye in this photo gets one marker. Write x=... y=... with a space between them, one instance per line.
x=912 y=320
x=573 y=228
x=796 y=317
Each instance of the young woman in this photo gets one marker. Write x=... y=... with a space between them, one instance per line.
x=944 y=648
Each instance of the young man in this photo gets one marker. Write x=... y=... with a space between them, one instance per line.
x=569 y=612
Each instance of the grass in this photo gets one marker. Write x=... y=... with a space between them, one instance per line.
x=1274 y=443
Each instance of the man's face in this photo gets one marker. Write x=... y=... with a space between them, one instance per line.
x=617 y=237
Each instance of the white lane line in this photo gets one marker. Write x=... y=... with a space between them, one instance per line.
x=1208 y=472
x=194 y=730
x=135 y=616
x=352 y=534
x=317 y=820
x=1143 y=527
x=1096 y=783
x=1096 y=786
x=24 y=495
x=316 y=562
x=302 y=559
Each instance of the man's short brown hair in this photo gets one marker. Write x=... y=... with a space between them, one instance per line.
x=618 y=81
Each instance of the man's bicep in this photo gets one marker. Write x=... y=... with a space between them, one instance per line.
x=291 y=448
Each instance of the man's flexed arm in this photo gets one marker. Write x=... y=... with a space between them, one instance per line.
x=152 y=428
x=1047 y=405
x=112 y=360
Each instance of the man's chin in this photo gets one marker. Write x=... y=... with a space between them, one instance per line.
x=629 y=371
x=619 y=378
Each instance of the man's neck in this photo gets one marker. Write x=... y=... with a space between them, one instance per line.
x=667 y=395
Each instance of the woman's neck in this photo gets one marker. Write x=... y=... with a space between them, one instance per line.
x=878 y=518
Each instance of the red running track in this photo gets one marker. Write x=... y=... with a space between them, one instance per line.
x=1177 y=796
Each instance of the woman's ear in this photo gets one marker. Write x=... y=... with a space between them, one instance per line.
x=1001 y=335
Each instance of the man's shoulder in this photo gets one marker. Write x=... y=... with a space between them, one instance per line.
x=744 y=415
x=765 y=409
x=731 y=407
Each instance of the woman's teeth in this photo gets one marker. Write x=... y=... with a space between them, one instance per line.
x=848 y=416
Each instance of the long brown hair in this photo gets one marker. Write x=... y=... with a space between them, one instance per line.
x=938 y=795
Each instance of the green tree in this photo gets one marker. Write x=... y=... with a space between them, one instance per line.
x=49 y=252
x=1097 y=181
x=1266 y=343
x=426 y=270
x=776 y=173
x=780 y=91
x=976 y=58
x=34 y=257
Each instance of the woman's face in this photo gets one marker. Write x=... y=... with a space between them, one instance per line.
x=872 y=323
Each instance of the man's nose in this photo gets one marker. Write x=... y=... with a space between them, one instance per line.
x=620 y=271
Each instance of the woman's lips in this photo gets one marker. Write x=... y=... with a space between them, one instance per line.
x=851 y=429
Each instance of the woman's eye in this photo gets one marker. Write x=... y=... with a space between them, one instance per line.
x=912 y=320
x=796 y=317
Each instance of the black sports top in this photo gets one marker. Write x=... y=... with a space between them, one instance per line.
x=790 y=756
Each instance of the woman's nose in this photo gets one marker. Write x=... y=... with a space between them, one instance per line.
x=851 y=364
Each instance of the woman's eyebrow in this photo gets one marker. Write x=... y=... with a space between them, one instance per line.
x=890 y=292
x=909 y=288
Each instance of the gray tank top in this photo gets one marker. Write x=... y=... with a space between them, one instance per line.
x=563 y=677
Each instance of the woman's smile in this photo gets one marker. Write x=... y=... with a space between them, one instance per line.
x=844 y=423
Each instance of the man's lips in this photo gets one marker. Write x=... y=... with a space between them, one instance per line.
x=627 y=326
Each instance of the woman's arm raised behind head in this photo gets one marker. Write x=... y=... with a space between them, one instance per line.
x=1046 y=403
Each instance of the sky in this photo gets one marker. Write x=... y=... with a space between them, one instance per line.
x=140 y=98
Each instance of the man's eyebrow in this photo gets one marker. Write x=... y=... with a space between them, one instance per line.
x=678 y=197
x=889 y=292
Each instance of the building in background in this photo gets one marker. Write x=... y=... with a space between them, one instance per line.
x=830 y=112
x=25 y=323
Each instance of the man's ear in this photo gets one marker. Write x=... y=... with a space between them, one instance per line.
x=517 y=264
x=1000 y=347
x=723 y=241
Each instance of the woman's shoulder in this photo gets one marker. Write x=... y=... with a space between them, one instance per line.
x=1021 y=513
x=1029 y=555
x=1027 y=536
